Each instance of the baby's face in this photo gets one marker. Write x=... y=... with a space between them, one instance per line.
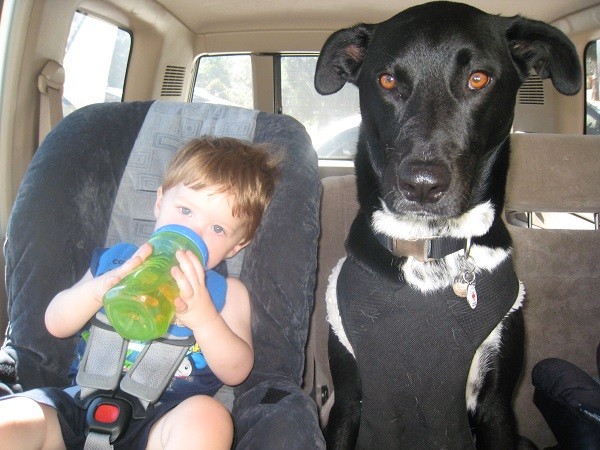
x=208 y=213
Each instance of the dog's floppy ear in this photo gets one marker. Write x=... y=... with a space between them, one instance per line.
x=547 y=50
x=341 y=58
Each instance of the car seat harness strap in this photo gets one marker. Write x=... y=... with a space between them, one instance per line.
x=112 y=398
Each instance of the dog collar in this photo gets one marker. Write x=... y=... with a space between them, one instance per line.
x=423 y=250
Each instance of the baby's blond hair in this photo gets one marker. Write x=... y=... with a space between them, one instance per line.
x=248 y=172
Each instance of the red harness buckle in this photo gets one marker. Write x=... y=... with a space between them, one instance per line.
x=108 y=415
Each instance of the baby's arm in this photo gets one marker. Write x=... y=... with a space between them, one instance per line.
x=70 y=309
x=226 y=341
x=226 y=338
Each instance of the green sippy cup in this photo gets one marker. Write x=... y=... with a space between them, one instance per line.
x=140 y=307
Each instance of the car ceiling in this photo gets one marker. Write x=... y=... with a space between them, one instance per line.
x=214 y=16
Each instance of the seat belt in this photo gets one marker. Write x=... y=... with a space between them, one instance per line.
x=50 y=84
x=111 y=400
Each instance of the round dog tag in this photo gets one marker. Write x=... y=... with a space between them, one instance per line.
x=460 y=288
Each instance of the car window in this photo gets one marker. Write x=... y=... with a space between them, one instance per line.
x=224 y=79
x=331 y=120
x=592 y=88
x=95 y=62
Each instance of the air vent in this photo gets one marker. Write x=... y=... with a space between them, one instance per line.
x=532 y=91
x=173 y=81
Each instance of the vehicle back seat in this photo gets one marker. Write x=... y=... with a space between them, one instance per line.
x=560 y=268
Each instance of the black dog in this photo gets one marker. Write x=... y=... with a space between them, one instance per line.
x=426 y=330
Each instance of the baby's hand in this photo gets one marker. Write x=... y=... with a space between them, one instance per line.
x=194 y=307
x=112 y=277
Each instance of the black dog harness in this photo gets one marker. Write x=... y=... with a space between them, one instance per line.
x=414 y=353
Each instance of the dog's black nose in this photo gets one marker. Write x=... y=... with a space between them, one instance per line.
x=423 y=182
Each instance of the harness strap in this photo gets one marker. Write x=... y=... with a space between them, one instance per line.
x=97 y=441
x=112 y=398
x=154 y=368
x=102 y=362
x=100 y=377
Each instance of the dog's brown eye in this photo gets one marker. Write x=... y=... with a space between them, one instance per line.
x=478 y=80
x=388 y=81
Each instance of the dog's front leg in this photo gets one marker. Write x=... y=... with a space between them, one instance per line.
x=344 y=418
x=493 y=419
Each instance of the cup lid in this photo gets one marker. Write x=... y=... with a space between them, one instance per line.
x=188 y=233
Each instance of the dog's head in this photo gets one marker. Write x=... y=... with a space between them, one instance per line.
x=438 y=84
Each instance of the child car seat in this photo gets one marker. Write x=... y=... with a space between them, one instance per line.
x=91 y=183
